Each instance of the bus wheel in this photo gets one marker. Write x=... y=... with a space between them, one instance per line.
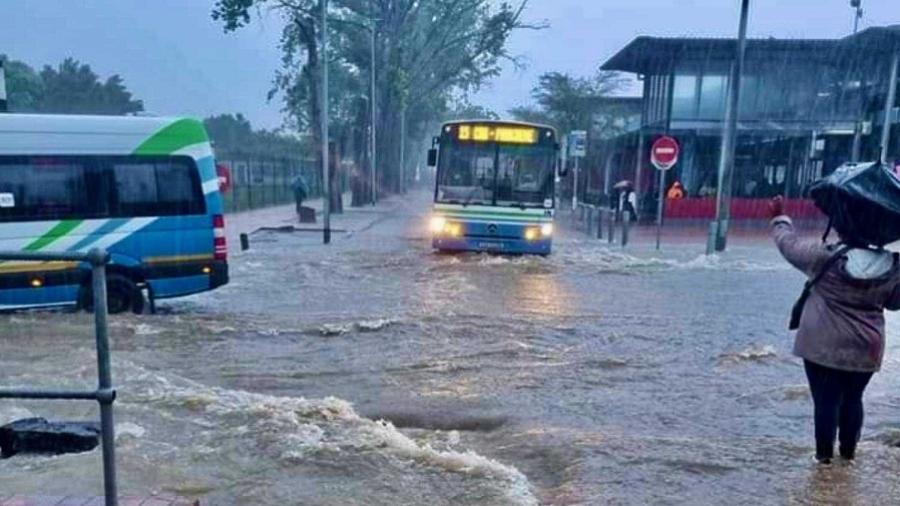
x=122 y=295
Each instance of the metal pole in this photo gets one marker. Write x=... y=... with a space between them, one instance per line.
x=659 y=208
x=326 y=228
x=3 y=105
x=403 y=149
x=638 y=173
x=372 y=141
x=729 y=136
x=856 y=15
x=105 y=393
x=575 y=186
x=889 y=108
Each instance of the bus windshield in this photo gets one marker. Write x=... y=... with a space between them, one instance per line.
x=496 y=174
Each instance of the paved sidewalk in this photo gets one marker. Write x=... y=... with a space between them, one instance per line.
x=352 y=220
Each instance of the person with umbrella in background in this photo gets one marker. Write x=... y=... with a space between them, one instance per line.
x=301 y=191
x=627 y=199
x=839 y=319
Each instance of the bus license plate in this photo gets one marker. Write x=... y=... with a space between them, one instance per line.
x=490 y=245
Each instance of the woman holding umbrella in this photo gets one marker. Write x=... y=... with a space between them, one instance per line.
x=840 y=325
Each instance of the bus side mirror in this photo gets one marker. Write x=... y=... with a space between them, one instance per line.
x=561 y=169
x=432 y=157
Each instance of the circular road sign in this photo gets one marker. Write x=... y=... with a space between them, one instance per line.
x=664 y=153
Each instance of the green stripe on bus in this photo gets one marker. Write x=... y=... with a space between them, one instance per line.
x=173 y=137
x=60 y=229
x=489 y=213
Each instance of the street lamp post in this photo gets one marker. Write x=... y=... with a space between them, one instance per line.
x=326 y=227
x=857 y=15
x=889 y=107
x=719 y=229
x=403 y=148
x=372 y=141
x=2 y=88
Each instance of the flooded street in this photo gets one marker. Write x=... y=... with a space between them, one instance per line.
x=375 y=371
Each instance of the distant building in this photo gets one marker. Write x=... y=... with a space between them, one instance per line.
x=806 y=106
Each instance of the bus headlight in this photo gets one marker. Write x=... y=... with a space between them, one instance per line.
x=532 y=233
x=547 y=229
x=437 y=224
x=453 y=229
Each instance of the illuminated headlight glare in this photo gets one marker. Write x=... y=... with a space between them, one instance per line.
x=438 y=223
x=547 y=229
x=531 y=234
x=453 y=229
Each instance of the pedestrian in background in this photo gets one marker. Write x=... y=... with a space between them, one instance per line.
x=840 y=325
x=301 y=191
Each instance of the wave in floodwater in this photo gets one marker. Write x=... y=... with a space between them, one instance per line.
x=285 y=431
x=751 y=354
x=336 y=329
x=605 y=260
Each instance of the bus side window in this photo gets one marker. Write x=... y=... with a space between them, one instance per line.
x=163 y=187
x=47 y=188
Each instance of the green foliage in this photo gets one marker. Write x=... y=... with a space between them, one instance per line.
x=426 y=51
x=465 y=110
x=24 y=87
x=70 y=88
x=570 y=103
x=233 y=134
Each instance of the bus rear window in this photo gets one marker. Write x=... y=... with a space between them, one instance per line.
x=165 y=187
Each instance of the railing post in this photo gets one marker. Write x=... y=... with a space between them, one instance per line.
x=105 y=393
x=626 y=224
x=600 y=215
x=611 y=231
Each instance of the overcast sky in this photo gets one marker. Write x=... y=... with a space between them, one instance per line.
x=175 y=58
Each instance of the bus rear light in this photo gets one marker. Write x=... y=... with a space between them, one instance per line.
x=220 y=248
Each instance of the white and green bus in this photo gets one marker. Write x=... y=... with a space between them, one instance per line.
x=146 y=189
x=494 y=187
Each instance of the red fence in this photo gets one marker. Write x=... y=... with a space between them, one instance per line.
x=741 y=208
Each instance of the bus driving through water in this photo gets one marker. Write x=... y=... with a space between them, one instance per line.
x=494 y=188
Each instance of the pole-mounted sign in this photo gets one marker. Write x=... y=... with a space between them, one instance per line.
x=663 y=156
x=664 y=153
x=577 y=148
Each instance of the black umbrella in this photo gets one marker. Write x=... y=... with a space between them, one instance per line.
x=862 y=202
x=623 y=185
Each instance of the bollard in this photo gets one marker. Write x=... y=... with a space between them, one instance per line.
x=601 y=213
x=626 y=225
x=245 y=242
x=711 y=238
x=611 y=231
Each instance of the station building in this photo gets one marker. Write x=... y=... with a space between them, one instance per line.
x=806 y=107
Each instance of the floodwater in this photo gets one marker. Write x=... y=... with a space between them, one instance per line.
x=377 y=372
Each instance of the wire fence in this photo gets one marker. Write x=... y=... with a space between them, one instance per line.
x=258 y=182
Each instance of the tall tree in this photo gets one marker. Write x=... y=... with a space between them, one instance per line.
x=24 y=87
x=298 y=79
x=73 y=88
x=571 y=103
x=424 y=50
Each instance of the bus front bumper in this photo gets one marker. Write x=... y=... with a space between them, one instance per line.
x=494 y=245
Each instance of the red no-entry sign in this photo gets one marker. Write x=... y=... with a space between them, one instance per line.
x=664 y=153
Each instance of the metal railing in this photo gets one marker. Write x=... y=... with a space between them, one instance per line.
x=104 y=394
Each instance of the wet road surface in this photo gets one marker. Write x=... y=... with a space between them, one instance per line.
x=375 y=371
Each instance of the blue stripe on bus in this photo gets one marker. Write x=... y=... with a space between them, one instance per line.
x=107 y=228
